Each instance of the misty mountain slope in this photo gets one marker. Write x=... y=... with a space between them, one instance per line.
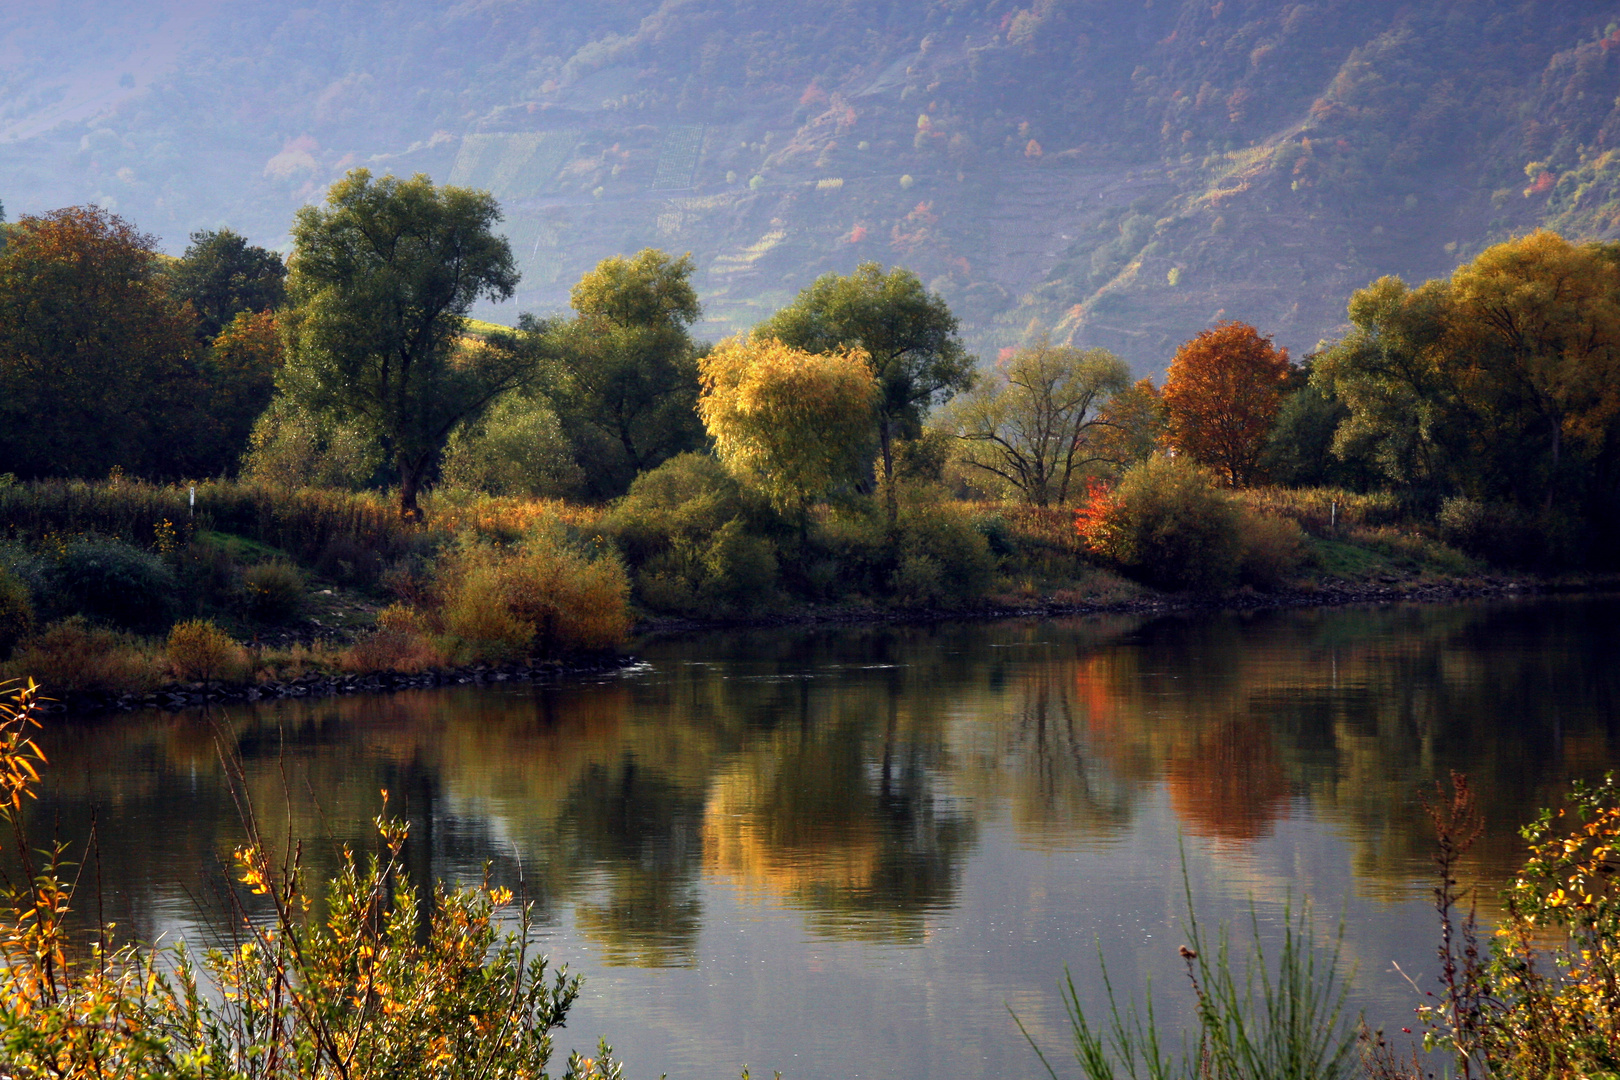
x=1110 y=173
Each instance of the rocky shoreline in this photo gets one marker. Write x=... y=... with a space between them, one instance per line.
x=177 y=696
x=1332 y=594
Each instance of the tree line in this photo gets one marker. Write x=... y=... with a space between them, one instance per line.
x=1487 y=399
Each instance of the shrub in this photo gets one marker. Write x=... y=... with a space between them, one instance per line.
x=574 y=602
x=16 y=611
x=400 y=643
x=1551 y=1009
x=516 y=448
x=1167 y=525
x=443 y=991
x=1274 y=548
x=944 y=559
x=273 y=591
x=72 y=656
x=477 y=616
x=700 y=542
x=115 y=581
x=545 y=597
x=851 y=552
x=294 y=448
x=739 y=570
x=199 y=651
x=208 y=574
x=687 y=499
x=1496 y=533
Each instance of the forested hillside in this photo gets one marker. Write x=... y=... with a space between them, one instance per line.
x=1118 y=174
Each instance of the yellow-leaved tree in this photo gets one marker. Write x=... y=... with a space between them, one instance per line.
x=796 y=423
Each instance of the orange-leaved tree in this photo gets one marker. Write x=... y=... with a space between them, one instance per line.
x=797 y=423
x=1221 y=396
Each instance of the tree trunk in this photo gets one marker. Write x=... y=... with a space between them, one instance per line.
x=410 y=479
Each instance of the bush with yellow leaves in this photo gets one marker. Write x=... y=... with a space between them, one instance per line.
x=544 y=596
x=199 y=651
x=358 y=995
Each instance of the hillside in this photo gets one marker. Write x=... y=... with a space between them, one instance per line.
x=1115 y=173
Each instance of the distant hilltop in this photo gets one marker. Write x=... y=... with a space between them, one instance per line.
x=1118 y=174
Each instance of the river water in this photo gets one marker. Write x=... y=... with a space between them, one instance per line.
x=849 y=852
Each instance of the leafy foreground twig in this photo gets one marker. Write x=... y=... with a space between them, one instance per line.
x=1282 y=1020
x=357 y=996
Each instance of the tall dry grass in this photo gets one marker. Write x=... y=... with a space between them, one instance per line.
x=1319 y=510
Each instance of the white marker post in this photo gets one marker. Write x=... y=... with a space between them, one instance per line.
x=192 y=511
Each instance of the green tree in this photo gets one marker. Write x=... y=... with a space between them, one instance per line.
x=96 y=359
x=1502 y=382
x=516 y=447
x=1299 y=451
x=908 y=334
x=382 y=279
x=1402 y=405
x=1034 y=422
x=222 y=275
x=627 y=385
x=239 y=369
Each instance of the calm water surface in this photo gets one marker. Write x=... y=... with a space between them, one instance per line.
x=847 y=852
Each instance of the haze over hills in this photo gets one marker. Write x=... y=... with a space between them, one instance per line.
x=1114 y=173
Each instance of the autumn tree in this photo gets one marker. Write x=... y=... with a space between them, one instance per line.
x=381 y=281
x=908 y=334
x=797 y=423
x=1034 y=422
x=1502 y=382
x=1221 y=395
x=627 y=382
x=222 y=276
x=1535 y=341
x=1131 y=426
x=94 y=353
x=240 y=369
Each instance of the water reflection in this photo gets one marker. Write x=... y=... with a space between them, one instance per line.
x=851 y=777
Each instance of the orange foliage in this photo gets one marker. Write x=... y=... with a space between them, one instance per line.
x=1096 y=516
x=1222 y=394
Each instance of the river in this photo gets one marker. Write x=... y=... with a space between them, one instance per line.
x=849 y=851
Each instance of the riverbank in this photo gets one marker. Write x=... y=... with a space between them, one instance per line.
x=1316 y=594
x=185 y=695
x=181 y=695
x=114 y=601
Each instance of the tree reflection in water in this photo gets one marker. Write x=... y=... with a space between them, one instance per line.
x=848 y=774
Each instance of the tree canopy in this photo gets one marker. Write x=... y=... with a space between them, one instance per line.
x=798 y=423
x=382 y=278
x=1221 y=395
x=1501 y=382
x=627 y=385
x=222 y=275
x=1034 y=422
x=97 y=361
x=908 y=334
